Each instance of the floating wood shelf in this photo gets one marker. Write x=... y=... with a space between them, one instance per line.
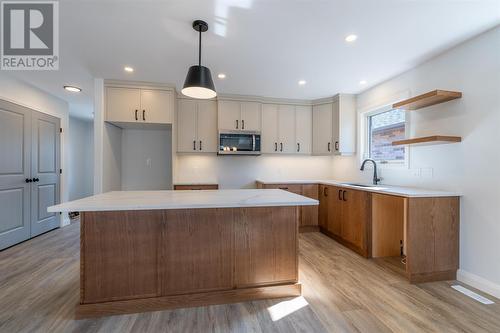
x=434 y=139
x=427 y=99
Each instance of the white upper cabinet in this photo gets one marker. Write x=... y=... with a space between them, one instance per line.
x=334 y=126
x=269 y=139
x=250 y=116
x=286 y=129
x=303 y=129
x=322 y=129
x=235 y=115
x=197 y=126
x=135 y=105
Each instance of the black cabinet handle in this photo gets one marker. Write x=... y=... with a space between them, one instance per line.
x=343 y=195
x=325 y=191
x=236 y=123
x=136 y=115
x=281 y=146
x=329 y=144
x=144 y=115
x=194 y=144
x=28 y=180
x=336 y=145
x=242 y=123
x=275 y=146
x=298 y=147
x=35 y=180
x=283 y=188
x=340 y=193
x=200 y=145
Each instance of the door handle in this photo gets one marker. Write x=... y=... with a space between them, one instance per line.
x=298 y=147
x=136 y=115
x=236 y=123
x=144 y=115
x=343 y=195
x=242 y=123
x=340 y=191
x=329 y=144
x=336 y=145
x=35 y=180
x=200 y=145
x=194 y=144
x=281 y=146
x=275 y=146
x=28 y=180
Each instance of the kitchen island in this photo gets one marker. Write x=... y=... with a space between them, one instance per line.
x=152 y=250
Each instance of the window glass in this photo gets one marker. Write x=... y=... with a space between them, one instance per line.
x=383 y=129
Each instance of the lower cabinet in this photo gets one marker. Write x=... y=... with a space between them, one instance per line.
x=345 y=215
x=308 y=215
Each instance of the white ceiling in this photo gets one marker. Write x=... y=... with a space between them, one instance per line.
x=263 y=46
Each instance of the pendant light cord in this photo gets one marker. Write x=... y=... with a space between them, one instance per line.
x=199 y=49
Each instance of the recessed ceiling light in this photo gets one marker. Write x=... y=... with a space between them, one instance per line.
x=351 y=38
x=72 y=88
x=362 y=82
x=221 y=76
x=302 y=82
x=128 y=69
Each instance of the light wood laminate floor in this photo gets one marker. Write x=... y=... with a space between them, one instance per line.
x=39 y=288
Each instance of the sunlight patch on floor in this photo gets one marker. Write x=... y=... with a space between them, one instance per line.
x=283 y=309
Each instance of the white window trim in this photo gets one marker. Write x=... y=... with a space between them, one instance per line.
x=364 y=138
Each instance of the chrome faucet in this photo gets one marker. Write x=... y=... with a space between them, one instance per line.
x=375 y=177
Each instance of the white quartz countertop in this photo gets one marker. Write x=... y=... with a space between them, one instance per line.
x=147 y=200
x=410 y=192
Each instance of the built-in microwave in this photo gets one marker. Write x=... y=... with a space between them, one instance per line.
x=239 y=142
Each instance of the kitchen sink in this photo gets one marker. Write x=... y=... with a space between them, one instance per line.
x=359 y=185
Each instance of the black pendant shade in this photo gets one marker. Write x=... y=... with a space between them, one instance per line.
x=198 y=83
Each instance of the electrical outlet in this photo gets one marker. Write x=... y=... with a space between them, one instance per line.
x=148 y=162
x=427 y=173
x=417 y=172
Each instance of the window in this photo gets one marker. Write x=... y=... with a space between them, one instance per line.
x=383 y=129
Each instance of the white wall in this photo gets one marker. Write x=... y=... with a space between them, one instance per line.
x=470 y=167
x=146 y=159
x=81 y=158
x=19 y=92
x=242 y=171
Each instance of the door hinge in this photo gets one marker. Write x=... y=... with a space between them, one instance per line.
x=60 y=129
x=60 y=171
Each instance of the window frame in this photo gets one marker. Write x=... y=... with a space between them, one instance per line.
x=365 y=126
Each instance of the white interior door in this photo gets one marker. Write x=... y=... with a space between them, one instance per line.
x=303 y=129
x=229 y=114
x=186 y=126
x=322 y=129
x=269 y=141
x=156 y=106
x=250 y=116
x=123 y=104
x=45 y=157
x=15 y=141
x=207 y=126
x=286 y=129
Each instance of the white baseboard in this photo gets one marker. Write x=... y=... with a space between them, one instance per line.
x=479 y=283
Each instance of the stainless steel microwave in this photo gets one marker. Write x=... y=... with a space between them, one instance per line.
x=239 y=142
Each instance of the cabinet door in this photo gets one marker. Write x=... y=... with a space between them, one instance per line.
x=156 y=106
x=322 y=129
x=309 y=215
x=356 y=218
x=186 y=126
x=347 y=124
x=286 y=129
x=269 y=142
x=303 y=129
x=335 y=211
x=335 y=128
x=207 y=126
x=323 y=207
x=229 y=114
x=250 y=116
x=123 y=104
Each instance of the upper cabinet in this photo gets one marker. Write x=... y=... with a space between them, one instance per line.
x=197 y=126
x=286 y=129
x=135 y=105
x=236 y=115
x=334 y=126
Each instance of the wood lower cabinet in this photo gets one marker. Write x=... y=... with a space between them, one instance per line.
x=308 y=215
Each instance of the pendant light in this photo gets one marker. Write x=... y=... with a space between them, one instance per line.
x=199 y=82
